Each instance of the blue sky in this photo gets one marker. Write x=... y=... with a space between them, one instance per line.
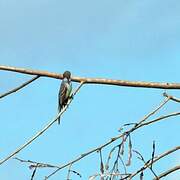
x=132 y=40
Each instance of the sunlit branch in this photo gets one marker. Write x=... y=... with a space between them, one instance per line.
x=163 y=85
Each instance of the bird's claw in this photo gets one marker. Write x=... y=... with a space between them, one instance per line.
x=72 y=96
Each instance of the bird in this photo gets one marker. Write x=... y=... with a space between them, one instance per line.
x=65 y=92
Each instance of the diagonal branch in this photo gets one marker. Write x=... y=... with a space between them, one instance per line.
x=147 y=164
x=171 y=97
x=157 y=158
x=164 y=85
x=160 y=118
x=34 y=172
x=168 y=172
x=153 y=112
x=19 y=87
x=41 y=131
x=137 y=126
x=36 y=164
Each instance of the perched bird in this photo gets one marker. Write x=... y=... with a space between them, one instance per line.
x=65 y=91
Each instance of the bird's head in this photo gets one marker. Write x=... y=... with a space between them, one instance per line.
x=67 y=75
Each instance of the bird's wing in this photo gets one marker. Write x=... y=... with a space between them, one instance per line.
x=69 y=89
x=62 y=93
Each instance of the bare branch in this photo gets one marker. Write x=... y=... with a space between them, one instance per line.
x=153 y=112
x=122 y=144
x=34 y=172
x=110 y=156
x=130 y=152
x=19 y=87
x=96 y=80
x=137 y=126
x=159 y=118
x=140 y=156
x=36 y=164
x=69 y=171
x=141 y=175
x=104 y=145
x=101 y=162
x=171 y=97
x=107 y=175
x=41 y=131
x=77 y=173
x=157 y=158
x=168 y=172
x=152 y=159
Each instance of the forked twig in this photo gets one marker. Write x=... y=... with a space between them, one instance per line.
x=171 y=97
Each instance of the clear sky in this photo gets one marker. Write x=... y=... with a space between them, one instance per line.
x=130 y=40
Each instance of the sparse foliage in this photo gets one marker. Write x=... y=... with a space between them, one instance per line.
x=113 y=166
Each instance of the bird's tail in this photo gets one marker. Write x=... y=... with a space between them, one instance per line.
x=59 y=120
x=59 y=110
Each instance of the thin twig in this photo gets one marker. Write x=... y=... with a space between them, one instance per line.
x=159 y=119
x=123 y=164
x=35 y=163
x=41 y=131
x=157 y=158
x=142 y=175
x=152 y=160
x=171 y=97
x=110 y=156
x=19 y=87
x=107 y=175
x=95 y=80
x=153 y=153
x=168 y=172
x=121 y=145
x=101 y=162
x=34 y=172
x=115 y=166
x=106 y=144
x=154 y=111
x=77 y=173
x=110 y=141
x=140 y=156
x=129 y=152
x=124 y=138
x=69 y=171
